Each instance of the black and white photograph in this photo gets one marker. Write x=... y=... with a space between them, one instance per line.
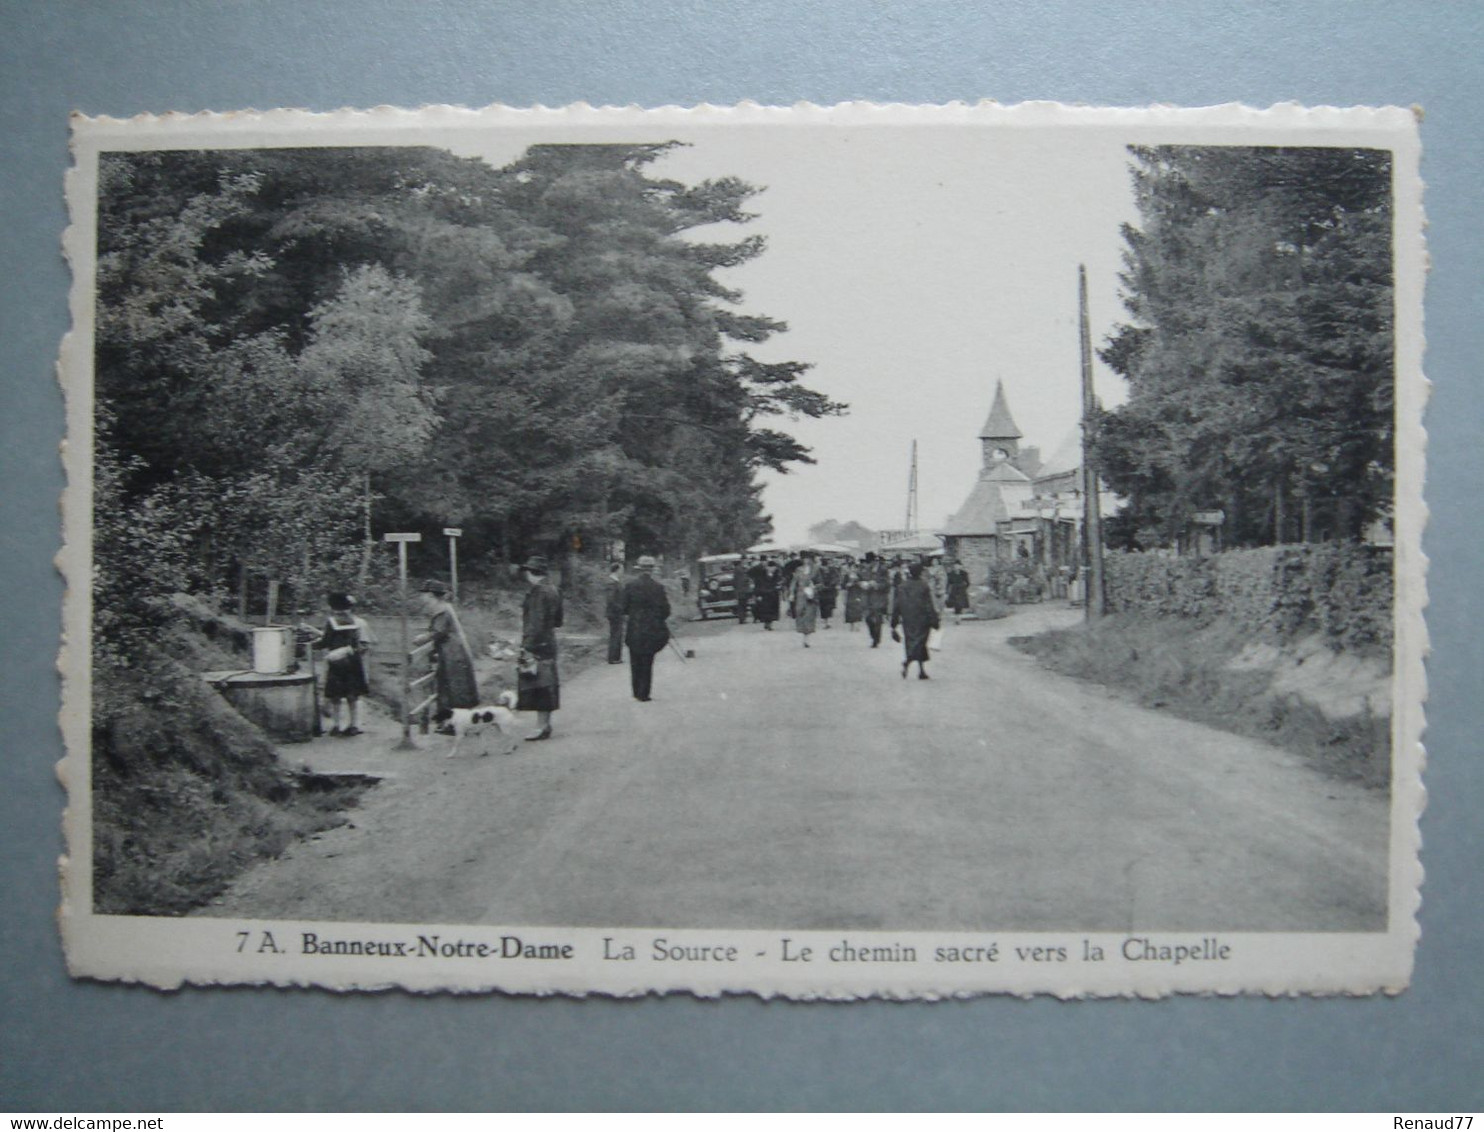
x=818 y=552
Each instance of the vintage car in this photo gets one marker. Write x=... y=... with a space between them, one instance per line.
x=716 y=587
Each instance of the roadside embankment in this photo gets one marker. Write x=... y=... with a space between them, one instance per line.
x=186 y=792
x=1290 y=645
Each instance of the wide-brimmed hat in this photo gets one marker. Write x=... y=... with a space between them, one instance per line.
x=536 y=565
x=436 y=586
x=645 y=562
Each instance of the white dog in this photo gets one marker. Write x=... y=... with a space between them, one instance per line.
x=489 y=728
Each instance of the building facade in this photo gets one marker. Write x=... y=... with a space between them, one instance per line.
x=1019 y=508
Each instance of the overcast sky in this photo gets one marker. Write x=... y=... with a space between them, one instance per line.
x=915 y=267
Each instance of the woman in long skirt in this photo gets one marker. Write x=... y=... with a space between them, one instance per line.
x=803 y=599
x=455 y=685
x=855 y=596
x=916 y=614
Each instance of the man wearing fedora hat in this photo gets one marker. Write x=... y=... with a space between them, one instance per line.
x=538 y=686
x=647 y=611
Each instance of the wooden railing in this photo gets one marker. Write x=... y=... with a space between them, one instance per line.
x=422 y=710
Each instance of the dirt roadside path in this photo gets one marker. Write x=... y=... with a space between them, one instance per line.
x=773 y=786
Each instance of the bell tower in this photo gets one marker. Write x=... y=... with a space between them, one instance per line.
x=999 y=438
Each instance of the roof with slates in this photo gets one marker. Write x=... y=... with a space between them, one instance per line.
x=984 y=508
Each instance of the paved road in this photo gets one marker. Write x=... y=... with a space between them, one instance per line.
x=773 y=786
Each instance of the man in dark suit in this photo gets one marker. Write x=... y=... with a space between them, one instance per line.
x=876 y=582
x=613 y=607
x=646 y=609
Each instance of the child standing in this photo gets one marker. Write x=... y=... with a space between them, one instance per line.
x=346 y=639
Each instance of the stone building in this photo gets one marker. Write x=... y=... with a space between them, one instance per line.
x=1019 y=507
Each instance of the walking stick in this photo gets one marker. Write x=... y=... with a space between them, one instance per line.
x=683 y=654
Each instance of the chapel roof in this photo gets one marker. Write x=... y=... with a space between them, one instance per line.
x=1066 y=458
x=1006 y=472
x=980 y=513
x=999 y=425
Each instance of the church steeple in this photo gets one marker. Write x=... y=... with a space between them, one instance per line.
x=1000 y=438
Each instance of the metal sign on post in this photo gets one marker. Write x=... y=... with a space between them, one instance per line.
x=453 y=534
x=402 y=540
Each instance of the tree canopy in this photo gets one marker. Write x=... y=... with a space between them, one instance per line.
x=289 y=340
x=1259 y=346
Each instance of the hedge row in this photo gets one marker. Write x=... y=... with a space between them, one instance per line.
x=1341 y=590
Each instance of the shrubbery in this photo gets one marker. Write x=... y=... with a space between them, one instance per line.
x=1341 y=590
x=186 y=792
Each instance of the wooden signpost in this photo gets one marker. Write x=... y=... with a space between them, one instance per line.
x=453 y=534
x=402 y=540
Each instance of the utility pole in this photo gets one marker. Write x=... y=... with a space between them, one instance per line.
x=1092 y=518
x=911 y=524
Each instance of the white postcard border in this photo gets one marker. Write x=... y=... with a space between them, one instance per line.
x=166 y=953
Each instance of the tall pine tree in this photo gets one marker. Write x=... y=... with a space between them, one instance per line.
x=1259 y=350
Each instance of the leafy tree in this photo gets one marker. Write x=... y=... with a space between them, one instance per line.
x=541 y=353
x=195 y=392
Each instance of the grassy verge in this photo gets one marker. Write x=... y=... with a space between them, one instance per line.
x=1167 y=663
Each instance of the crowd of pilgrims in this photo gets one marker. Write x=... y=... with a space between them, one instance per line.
x=907 y=596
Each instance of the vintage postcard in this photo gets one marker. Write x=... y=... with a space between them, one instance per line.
x=823 y=552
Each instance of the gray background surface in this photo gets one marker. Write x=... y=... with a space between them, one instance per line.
x=77 y=1046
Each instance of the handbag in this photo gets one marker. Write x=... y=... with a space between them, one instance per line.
x=935 y=639
x=540 y=674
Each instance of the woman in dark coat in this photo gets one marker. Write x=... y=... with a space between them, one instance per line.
x=455 y=685
x=958 y=589
x=539 y=687
x=913 y=610
x=765 y=587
